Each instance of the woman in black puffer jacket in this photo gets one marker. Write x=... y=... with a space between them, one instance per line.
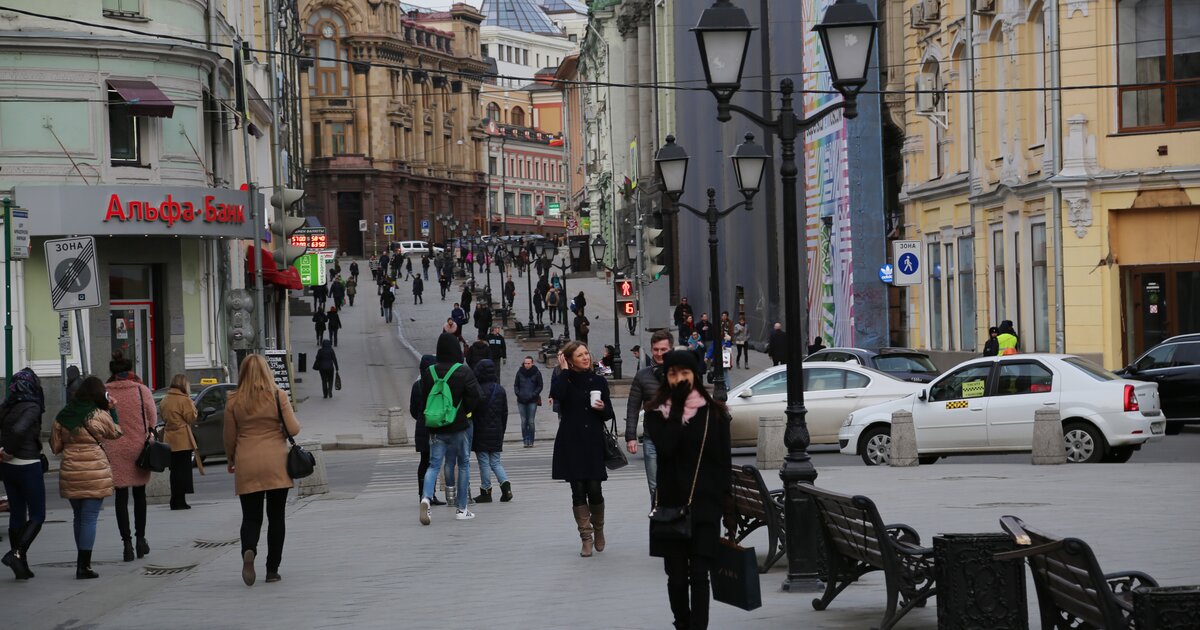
x=21 y=467
x=491 y=421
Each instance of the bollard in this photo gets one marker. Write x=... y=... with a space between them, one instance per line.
x=314 y=483
x=1048 y=444
x=302 y=363
x=975 y=591
x=771 y=448
x=903 y=451
x=1166 y=607
x=397 y=432
x=158 y=491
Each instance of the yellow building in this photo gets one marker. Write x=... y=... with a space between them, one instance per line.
x=1089 y=132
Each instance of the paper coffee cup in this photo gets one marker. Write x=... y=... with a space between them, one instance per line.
x=595 y=393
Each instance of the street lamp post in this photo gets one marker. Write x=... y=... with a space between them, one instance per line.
x=599 y=247
x=749 y=161
x=549 y=252
x=515 y=247
x=847 y=32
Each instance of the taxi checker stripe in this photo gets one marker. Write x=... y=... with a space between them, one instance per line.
x=956 y=404
x=76 y=268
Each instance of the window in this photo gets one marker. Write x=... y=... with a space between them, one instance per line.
x=1023 y=378
x=1157 y=44
x=493 y=113
x=491 y=166
x=1041 y=296
x=122 y=8
x=517 y=116
x=331 y=76
x=213 y=397
x=526 y=204
x=316 y=139
x=951 y=313
x=915 y=363
x=510 y=203
x=774 y=384
x=998 y=274
x=492 y=202
x=1157 y=358
x=967 y=382
x=935 y=296
x=525 y=57
x=966 y=292
x=825 y=379
x=483 y=50
x=1091 y=369
x=337 y=137
x=123 y=140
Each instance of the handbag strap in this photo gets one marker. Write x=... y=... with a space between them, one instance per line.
x=145 y=423
x=696 y=476
x=282 y=424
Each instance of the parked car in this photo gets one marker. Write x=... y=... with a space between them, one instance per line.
x=831 y=391
x=1175 y=366
x=903 y=363
x=414 y=248
x=210 y=417
x=987 y=405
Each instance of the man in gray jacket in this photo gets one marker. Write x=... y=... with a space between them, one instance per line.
x=645 y=385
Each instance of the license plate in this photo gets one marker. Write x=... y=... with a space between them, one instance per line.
x=1157 y=428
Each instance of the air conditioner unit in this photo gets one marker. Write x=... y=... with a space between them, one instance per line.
x=917 y=16
x=985 y=6
x=933 y=10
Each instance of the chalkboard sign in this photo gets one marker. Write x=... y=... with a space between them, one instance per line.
x=277 y=360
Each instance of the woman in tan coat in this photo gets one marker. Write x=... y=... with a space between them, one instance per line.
x=256 y=418
x=85 y=476
x=179 y=412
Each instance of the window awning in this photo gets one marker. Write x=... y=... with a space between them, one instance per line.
x=143 y=97
x=288 y=278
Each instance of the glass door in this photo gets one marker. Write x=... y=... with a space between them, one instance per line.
x=131 y=326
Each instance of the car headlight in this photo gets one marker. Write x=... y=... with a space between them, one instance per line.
x=849 y=420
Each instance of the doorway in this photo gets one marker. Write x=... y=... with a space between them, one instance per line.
x=1162 y=301
x=350 y=212
x=131 y=325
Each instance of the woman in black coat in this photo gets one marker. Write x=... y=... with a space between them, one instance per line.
x=327 y=364
x=579 y=445
x=21 y=467
x=416 y=405
x=335 y=324
x=319 y=318
x=491 y=421
x=690 y=430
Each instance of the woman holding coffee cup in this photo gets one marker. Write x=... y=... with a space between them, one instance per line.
x=584 y=409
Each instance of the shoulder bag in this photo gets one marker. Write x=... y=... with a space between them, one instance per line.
x=614 y=457
x=675 y=523
x=155 y=455
x=300 y=463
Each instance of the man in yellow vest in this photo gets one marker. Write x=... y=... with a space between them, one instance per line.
x=1007 y=339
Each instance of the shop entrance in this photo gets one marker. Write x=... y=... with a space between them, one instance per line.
x=350 y=211
x=1162 y=301
x=132 y=326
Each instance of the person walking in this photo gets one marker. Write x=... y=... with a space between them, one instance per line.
x=319 y=320
x=444 y=283
x=580 y=302
x=386 y=300
x=705 y=328
x=351 y=288
x=687 y=327
x=84 y=474
x=777 y=345
x=483 y=319
x=334 y=323
x=644 y=388
x=21 y=467
x=353 y=273
x=397 y=264
x=539 y=306
x=552 y=305
x=1007 y=339
x=320 y=296
x=584 y=409
x=408 y=268
x=451 y=394
x=491 y=421
x=497 y=344
x=477 y=352
x=179 y=413
x=527 y=387
x=683 y=310
x=691 y=431
x=991 y=347
x=384 y=260
x=741 y=336
x=725 y=325
x=258 y=421
x=326 y=364
x=425 y=266
x=510 y=292
x=133 y=402
x=418 y=287
x=466 y=299
x=338 y=292
x=582 y=327
x=416 y=406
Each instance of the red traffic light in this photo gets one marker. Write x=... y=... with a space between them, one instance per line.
x=625 y=288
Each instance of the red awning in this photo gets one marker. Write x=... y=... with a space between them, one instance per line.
x=143 y=97
x=288 y=278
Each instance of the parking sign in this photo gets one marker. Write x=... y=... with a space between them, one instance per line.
x=906 y=265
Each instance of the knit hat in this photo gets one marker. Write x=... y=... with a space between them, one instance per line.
x=685 y=359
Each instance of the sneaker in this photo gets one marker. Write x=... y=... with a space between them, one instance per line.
x=464 y=515
x=426 y=513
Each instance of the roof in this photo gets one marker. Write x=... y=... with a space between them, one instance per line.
x=564 y=6
x=537 y=87
x=519 y=15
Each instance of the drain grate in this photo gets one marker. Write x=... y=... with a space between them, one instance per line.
x=213 y=544
x=157 y=571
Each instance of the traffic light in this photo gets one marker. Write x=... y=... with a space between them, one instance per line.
x=239 y=307
x=286 y=252
x=654 y=249
x=625 y=298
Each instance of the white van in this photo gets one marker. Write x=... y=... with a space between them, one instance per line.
x=416 y=248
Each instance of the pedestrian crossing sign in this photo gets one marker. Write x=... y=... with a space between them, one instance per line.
x=389 y=229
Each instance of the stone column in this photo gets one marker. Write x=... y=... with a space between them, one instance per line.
x=362 y=123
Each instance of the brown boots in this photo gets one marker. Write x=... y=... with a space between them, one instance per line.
x=583 y=519
x=598 y=524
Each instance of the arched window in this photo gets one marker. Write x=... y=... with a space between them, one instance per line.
x=331 y=75
x=493 y=113
x=517 y=117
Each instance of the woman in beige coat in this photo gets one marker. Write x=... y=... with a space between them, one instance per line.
x=85 y=476
x=256 y=418
x=179 y=413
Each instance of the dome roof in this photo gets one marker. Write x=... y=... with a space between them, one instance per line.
x=519 y=15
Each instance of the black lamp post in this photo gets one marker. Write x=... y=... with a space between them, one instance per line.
x=847 y=32
x=749 y=160
x=548 y=253
x=599 y=247
x=515 y=247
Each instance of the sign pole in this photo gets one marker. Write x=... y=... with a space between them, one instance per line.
x=64 y=348
x=83 y=355
x=8 y=331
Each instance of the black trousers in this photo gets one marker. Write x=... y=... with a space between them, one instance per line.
x=686 y=572
x=181 y=477
x=422 y=468
x=333 y=335
x=139 y=511
x=326 y=383
x=585 y=492
x=742 y=355
x=252 y=518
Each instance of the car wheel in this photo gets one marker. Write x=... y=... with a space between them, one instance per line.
x=928 y=459
x=876 y=446
x=1173 y=428
x=1084 y=442
x=1118 y=455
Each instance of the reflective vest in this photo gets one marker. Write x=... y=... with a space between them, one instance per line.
x=1008 y=344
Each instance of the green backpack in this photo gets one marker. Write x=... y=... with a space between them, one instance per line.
x=439 y=410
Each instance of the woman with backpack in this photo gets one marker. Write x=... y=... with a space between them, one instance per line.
x=491 y=421
x=552 y=305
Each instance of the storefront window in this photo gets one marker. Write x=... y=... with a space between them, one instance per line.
x=966 y=292
x=935 y=296
x=1041 y=301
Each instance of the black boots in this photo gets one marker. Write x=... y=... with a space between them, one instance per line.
x=127 y=553
x=143 y=548
x=20 y=540
x=83 y=566
x=485 y=496
x=506 y=492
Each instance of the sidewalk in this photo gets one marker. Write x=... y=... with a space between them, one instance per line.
x=365 y=562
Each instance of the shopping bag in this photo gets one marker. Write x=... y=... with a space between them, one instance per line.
x=735 y=576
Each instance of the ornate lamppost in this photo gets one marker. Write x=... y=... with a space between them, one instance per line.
x=599 y=247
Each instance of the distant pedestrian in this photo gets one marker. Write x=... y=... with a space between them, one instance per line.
x=179 y=413
x=319 y=319
x=705 y=328
x=397 y=262
x=386 y=300
x=351 y=289
x=85 y=474
x=354 y=271
x=466 y=299
x=552 y=304
x=455 y=395
x=134 y=403
x=21 y=467
x=1007 y=338
x=510 y=292
x=408 y=268
x=418 y=287
x=416 y=406
x=320 y=295
x=683 y=310
x=483 y=319
x=691 y=431
x=499 y=348
x=326 y=364
x=580 y=304
x=459 y=315
x=258 y=419
x=582 y=327
x=425 y=266
x=527 y=388
x=991 y=347
x=384 y=260
x=741 y=335
x=539 y=306
x=687 y=328
x=585 y=409
x=777 y=345
x=491 y=422
x=644 y=388
x=725 y=325
x=555 y=282
x=338 y=292
x=335 y=324
x=444 y=283
x=818 y=345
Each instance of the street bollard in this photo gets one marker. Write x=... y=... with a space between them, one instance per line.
x=903 y=450
x=302 y=362
x=1166 y=607
x=397 y=432
x=158 y=491
x=975 y=591
x=314 y=483
x=771 y=448
x=1048 y=444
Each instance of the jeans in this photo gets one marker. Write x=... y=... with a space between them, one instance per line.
x=650 y=459
x=26 y=494
x=528 y=411
x=458 y=444
x=139 y=511
x=252 y=518
x=87 y=511
x=452 y=458
x=490 y=462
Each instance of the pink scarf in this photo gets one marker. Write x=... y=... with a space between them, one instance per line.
x=690 y=406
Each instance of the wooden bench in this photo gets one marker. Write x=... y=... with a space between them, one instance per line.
x=1072 y=590
x=857 y=542
x=755 y=506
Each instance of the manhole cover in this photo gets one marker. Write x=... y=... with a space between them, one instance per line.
x=157 y=571
x=965 y=477
x=213 y=544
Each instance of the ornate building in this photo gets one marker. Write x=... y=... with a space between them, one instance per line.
x=392 y=120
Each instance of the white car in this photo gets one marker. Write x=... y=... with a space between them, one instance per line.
x=987 y=405
x=831 y=391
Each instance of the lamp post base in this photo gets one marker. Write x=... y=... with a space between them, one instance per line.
x=804 y=537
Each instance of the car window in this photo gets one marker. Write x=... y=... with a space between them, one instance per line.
x=1188 y=354
x=1159 y=357
x=967 y=382
x=1091 y=369
x=823 y=355
x=214 y=397
x=773 y=384
x=854 y=380
x=905 y=363
x=1023 y=378
x=824 y=379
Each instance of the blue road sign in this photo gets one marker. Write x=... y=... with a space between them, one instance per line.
x=885 y=273
x=424 y=224
x=908 y=263
x=389 y=218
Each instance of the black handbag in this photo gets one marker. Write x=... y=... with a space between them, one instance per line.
x=614 y=457
x=155 y=455
x=675 y=523
x=735 y=576
x=337 y=381
x=300 y=463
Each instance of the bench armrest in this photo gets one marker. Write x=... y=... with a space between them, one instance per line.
x=777 y=498
x=903 y=533
x=1126 y=581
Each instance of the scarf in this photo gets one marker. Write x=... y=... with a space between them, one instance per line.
x=691 y=406
x=125 y=376
x=75 y=414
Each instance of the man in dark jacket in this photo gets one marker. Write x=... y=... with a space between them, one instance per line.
x=425 y=266
x=582 y=328
x=491 y=421
x=643 y=389
x=418 y=287
x=777 y=345
x=338 y=292
x=991 y=347
x=499 y=347
x=452 y=438
x=320 y=296
x=483 y=319
x=383 y=265
x=386 y=300
x=528 y=389
x=444 y=282
x=354 y=270
x=705 y=328
x=416 y=406
x=327 y=364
